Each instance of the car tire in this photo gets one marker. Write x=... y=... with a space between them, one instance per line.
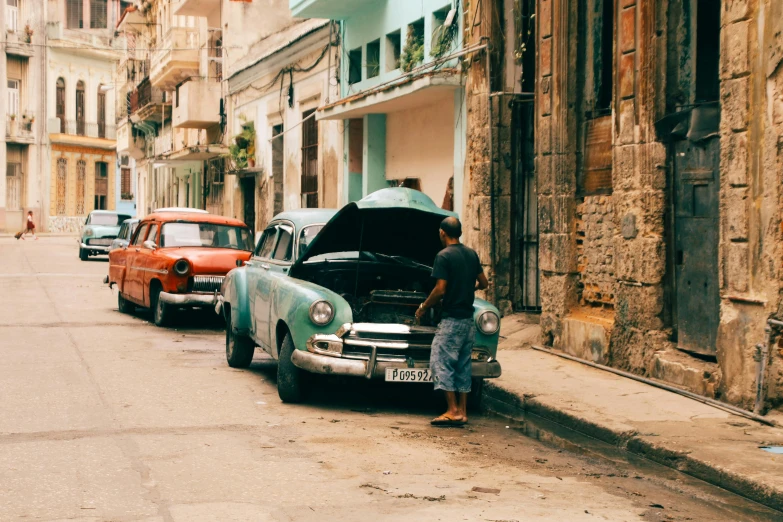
x=475 y=395
x=160 y=312
x=83 y=254
x=239 y=348
x=292 y=383
x=123 y=305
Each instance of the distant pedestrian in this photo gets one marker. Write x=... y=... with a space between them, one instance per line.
x=29 y=226
x=458 y=272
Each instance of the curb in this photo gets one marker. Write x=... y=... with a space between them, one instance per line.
x=507 y=404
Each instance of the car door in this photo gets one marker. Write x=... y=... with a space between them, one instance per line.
x=276 y=265
x=151 y=262
x=134 y=275
x=257 y=278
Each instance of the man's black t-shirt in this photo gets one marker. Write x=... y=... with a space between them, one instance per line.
x=459 y=266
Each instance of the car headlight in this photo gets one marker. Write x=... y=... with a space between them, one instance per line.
x=181 y=267
x=87 y=232
x=488 y=323
x=321 y=312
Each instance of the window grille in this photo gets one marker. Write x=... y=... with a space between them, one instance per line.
x=62 y=185
x=98 y=14
x=81 y=181
x=125 y=183
x=74 y=14
x=80 y=123
x=101 y=185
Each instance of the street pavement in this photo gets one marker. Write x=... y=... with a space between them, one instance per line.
x=104 y=416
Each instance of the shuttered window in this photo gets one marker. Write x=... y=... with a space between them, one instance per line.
x=61 y=103
x=98 y=14
x=74 y=14
x=309 y=160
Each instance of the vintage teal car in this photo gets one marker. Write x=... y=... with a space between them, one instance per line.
x=100 y=228
x=335 y=293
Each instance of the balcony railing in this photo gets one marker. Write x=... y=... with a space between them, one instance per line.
x=19 y=127
x=176 y=58
x=83 y=128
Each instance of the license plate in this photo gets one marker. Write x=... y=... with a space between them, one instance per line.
x=408 y=375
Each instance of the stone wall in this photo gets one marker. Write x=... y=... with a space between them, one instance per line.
x=64 y=224
x=595 y=250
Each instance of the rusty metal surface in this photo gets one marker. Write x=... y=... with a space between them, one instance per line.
x=597 y=162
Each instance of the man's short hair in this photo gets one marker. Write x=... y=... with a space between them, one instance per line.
x=451 y=227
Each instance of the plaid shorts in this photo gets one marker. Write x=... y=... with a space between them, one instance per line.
x=450 y=355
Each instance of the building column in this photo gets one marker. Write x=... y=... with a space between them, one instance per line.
x=374 y=154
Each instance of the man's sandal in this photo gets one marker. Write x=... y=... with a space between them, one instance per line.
x=447 y=420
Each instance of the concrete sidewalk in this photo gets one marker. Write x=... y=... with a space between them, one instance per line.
x=697 y=439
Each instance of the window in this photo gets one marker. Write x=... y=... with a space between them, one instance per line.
x=393 y=46
x=278 y=146
x=309 y=160
x=126 y=192
x=373 y=59
x=61 y=103
x=141 y=235
x=266 y=242
x=13 y=97
x=153 y=235
x=216 y=60
x=355 y=66
x=443 y=36
x=80 y=112
x=74 y=14
x=101 y=185
x=205 y=235
x=12 y=15
x=707 y=52
x=62 y=185
x=306 y=237
x=101 y=113
x=81 y=188
x=285 y=244
x=98 y=14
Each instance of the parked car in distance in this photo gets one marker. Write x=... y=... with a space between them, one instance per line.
x=177 y=260
x=99 y=230
x=127 y=229
x=336 y=293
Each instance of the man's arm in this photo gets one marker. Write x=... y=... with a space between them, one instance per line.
x=434 y=298
x=481 y=282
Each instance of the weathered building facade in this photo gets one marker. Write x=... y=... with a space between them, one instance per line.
x=658 y=165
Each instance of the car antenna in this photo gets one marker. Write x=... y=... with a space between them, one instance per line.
x=358 y=261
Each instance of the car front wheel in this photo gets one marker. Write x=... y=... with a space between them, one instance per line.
x=83 y=254
x=239 y=348
x=292 y=383
x=160 y=312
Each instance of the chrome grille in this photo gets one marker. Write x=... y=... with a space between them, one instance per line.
x=101 y=241
x=414 y=342
x=208 y=284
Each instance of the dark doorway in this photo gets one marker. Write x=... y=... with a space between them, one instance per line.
x=525 y=294
x=278 y=148
x=309 y=160
x=248 y=185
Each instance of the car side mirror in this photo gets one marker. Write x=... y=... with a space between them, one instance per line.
x=149 y=244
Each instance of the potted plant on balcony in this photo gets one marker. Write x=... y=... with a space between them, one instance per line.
x=28 y=33
x=243 y=150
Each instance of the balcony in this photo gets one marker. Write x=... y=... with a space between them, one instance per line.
x=148 y=103
x=20 y=130
x=182 y=145
x=203 y=8
x=80 y=132
x=198 y=104
x=331 y=9
x=176 y=59
x=18 y=44
x=130 y=142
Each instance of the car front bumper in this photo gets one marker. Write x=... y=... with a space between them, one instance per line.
x=103 y=249
x=331 y=355
x=192 y=300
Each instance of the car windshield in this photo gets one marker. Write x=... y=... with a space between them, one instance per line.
x=106 y=219
x=205 y=235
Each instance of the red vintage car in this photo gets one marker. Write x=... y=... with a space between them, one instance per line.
x=177 y=260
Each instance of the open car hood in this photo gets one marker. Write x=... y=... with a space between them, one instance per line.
x=393 y=221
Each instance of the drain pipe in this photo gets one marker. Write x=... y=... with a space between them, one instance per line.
x=685 y=393
x=762 y=361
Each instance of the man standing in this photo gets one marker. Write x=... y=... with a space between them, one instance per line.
x=458 y=272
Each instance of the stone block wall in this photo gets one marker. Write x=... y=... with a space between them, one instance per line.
x=595 y=250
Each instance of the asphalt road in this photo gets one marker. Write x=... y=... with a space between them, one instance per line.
x=103 y=416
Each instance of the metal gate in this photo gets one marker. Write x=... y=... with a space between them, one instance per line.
x=696 y=222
